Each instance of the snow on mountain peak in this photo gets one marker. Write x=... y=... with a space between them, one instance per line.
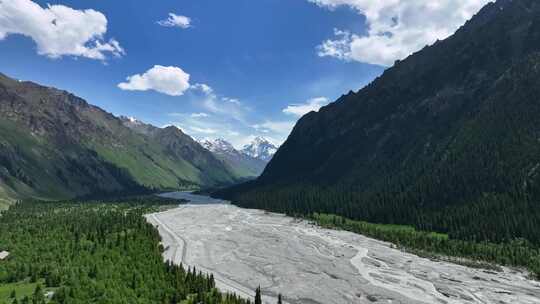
x=260 y=148
x=131 y=120
x=217 y=145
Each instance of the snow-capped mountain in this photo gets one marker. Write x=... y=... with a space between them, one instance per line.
x=260 y=148
x=218 y=145
x=242 y=164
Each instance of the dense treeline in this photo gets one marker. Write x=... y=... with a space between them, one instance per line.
x=515 y=253
x=500 y=228
x=494 y=217
x=446 y=140
x=96 y=252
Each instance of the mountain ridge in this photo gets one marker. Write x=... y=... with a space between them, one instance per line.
x=55 y=145
x=243 y=164
x=440 y=138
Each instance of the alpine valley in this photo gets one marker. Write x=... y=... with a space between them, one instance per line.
x=54 y=145
x=446 y=140
x=420 y=186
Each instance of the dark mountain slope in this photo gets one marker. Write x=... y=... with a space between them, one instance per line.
x=447 y=139
x=55 y=145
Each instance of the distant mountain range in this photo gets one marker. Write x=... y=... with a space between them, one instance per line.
x=54 y=145
x=447 y=139
x=249 y=161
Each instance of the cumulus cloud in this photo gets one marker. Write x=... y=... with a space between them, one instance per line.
x=58 y=30
x=301 y=109
x=168 y=80
x=176 y=21
x=396 y=28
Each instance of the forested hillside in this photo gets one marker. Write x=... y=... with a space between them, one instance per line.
x=446 y=140
x=54 y=145
x=94 y=252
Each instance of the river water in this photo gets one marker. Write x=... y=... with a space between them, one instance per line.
x=194 y=199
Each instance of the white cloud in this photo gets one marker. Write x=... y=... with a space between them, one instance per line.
x=216 y=116
x=231 y=100
x=280 y=127
x=222 y=126
x=199 y=115
x=210 y=128
x=396 y=28
x=339 y=48
x=58 y=30
x=301 y=109
x=228 y=118
x=168 y=80
x=206 y=89
x=176 y=21
x=203 y=130
x=224 y=106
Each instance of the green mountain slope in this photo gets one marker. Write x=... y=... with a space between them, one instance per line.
x=178 y=145
x=242 y=165
x=447 y=139
x=55 y=145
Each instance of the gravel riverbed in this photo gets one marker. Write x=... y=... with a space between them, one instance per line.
x=307 y=264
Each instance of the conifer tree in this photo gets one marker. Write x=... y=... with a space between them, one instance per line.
x=258 y=299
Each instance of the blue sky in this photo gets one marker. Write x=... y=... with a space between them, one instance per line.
x=255 y=66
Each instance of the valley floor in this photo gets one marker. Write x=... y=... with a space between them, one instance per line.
x=307 y=264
